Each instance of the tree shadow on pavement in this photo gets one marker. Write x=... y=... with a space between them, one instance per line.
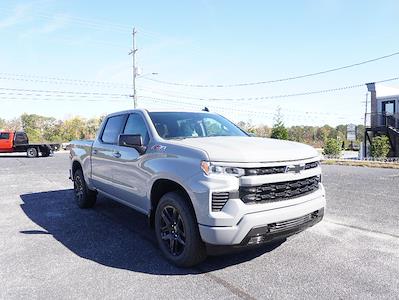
x=112 y=235
x=13 y=156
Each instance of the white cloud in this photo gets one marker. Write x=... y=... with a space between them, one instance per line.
x=18 y=15
x=39 y=23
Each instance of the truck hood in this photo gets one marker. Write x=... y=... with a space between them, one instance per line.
x=250 y=149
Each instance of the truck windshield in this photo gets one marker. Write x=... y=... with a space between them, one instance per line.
x=175 y=125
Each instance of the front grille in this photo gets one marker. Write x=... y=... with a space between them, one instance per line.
x=219 y=200
x=276 y=170
x=311 y=165
x=272 y=192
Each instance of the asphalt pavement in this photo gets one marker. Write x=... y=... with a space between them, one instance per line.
x=50 y=249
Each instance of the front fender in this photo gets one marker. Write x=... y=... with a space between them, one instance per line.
x=177 y=170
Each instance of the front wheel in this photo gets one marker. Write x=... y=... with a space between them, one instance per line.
x=177 y=231
x=84 y=197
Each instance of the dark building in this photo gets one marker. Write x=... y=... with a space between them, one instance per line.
x=383 y=118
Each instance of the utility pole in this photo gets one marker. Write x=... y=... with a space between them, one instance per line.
x=365 y=125
x=133 y=53
x=365 y=113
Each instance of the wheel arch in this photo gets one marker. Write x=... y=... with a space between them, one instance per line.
x=162 y=186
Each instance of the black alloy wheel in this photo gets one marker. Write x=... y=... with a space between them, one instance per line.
x=78 y=189
x=84 y=197
x=177 y=231
x=172 y=230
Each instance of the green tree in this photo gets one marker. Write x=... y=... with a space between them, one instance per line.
x=91 y=127
x=325 y=132
x=380 y=146
x=73 y=129
x=360 y=133
x=34 y=126
x=332 y=147
x=3 y=123
x=341 y=132
x=52 y=130
x=279 y=131
x=297 y=134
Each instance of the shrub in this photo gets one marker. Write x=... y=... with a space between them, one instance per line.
x=332 y=147
x=380 y=146
x=279 y=131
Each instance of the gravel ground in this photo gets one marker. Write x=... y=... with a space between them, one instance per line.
x=51 y=249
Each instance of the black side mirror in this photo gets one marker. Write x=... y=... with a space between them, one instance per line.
x=133 y=141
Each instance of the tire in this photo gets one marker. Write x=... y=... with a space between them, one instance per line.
x=177 y=231
x=46 y=152
x=84 y=197
x=32 y=152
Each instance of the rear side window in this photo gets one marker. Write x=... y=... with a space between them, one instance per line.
x=20 y=138
x=135 y=125
x=4 y=135
x=112 y=129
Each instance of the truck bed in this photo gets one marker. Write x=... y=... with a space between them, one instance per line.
x=24 y=147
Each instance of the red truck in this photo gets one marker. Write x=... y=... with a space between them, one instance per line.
x=18 y=141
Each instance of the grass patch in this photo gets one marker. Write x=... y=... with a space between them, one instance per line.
x=357 y=163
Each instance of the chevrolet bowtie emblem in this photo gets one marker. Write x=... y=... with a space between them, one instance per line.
x=294 y=168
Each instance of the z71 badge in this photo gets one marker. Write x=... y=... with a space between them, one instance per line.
x=158 y=148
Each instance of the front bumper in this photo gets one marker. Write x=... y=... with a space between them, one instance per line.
x=266 y=226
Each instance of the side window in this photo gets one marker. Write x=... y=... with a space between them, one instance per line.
x=112 y=129
x=4 y=135
x=136 y=125
x=20 y=138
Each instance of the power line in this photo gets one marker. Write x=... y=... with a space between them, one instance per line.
x=291 y=113
x=387 y=80
x=59 y=80
x=52 y=99
x=305 y=93
x=59 y=95
x=256 y=98
x=207 y=99
x=91 y=24
x=274 y=80
x=64 y=92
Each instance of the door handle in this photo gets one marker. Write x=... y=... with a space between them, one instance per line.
x=116 y=154
x=94 y=151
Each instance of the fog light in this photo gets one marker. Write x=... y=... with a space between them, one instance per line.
x=256 y=239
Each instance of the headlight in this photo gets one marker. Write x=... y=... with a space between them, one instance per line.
x=211 y=168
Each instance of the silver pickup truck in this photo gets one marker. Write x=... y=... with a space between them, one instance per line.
x=203 y=182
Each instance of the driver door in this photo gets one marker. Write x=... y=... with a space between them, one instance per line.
x=129 y=175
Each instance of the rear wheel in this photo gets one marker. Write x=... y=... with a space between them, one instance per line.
x=84 y=197
x=31 y=152
x=177 y=231
x=46 y=152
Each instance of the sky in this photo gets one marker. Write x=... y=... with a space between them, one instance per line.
x=70 y=58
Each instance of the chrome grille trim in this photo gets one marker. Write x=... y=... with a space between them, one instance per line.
x=276 y=170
